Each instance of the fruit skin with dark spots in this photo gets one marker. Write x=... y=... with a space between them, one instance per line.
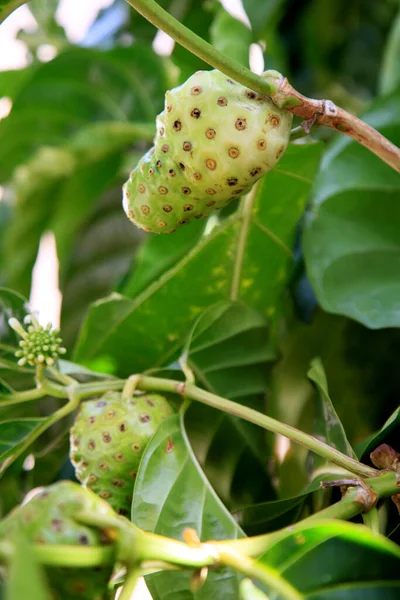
x=108 y=439
x=47 y=516
x=215 y=139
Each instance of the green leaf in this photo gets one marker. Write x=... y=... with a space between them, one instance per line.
x=351 y=239
x=231 y=37
x=390 y=70
x=78 y=87
x=26 y=578
x=15 y=305
x=248 y=591
x=332 y=560
x=328 y=427
x=171 y=494
x=261 y=13
x=14 y=434
x=373 y=441
x=230 y=353
x=225 y=265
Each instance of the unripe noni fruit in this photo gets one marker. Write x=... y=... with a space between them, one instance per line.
x=47 y=516
x=107 y=442
x=215 y=139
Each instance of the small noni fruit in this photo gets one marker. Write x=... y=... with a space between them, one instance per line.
x=47 y=516
x=107 y=442
x=215 y=139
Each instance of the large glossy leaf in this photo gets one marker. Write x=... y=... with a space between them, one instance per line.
x=171 y=494
x=351 y=239
x=337 y=561
x=78 y=87
x=13 y=434
x=387 y=433
x=327 y=424
x=390 y=70
x=231 y=37
x=260 y=13
x=224 y=265
x=230 y=354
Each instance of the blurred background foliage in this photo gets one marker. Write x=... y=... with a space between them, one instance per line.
x=78 y=124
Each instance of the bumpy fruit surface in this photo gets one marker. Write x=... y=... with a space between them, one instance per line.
x=215 y=139
x=48 y=517
x=107 y=442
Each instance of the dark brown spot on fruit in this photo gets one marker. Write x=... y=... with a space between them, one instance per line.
x=255 y=171
x=183 y=221
x=57 y=525
x=127 y=193
x=103 y=465
x=231 y=181
x=151 y=171
x=210 y=203
x=230 y=81
x=222 y=101
x=150 y=402
x=136 y=447
x=167 y=208
x=163 y=190
x=211 y=164
x=169 y=107
x=274 y=121
x=145 y=209
x=169 y=446
x=159 y=164
x=130 y=214
x=199 y=216
x=165 y=148
x=187 y=146
x=186 y=191
x=177 y=126
x=210 y=191
x=144 y=418
x=92 y=478
x=122 y=427
x=141 y=188
x=133 y=473
x=162 y=131
x=91 y=444
x=238 y=191
x=181 y=166
x=118 y=483
x=83 y=464
x=171 y=172
x=91 y=420
x=195 y=90
x=119 y=457
x=280 y=152
x=210 y=133
x=197 y=176
x=241 y=124
x=110 y=414
x=196 y=112
x=234 y=152
x=251 y=95
x=106 y=437
x=104 y=494
x=187 y=207
x=162 y=224
x=261 y=144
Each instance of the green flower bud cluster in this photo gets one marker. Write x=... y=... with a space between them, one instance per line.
x=39 y=345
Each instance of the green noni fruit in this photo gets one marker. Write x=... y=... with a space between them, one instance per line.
x=47 y=516
x=107 y=442
x=215 y=139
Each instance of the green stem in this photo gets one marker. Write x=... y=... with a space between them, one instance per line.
x=19 y=397
x=298 y=133
x=266 y=575
x=74 y=556
x=304 y=439
x=151 y=11
x=371 y=519
x=85 y=390
x=130 y=584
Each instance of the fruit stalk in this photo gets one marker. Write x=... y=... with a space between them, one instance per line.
x=274 y=85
